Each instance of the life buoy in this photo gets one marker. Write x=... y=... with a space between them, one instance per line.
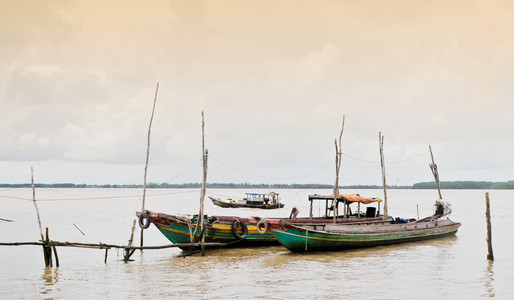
x=260 y=225
x=243 y=226
x=144 y=220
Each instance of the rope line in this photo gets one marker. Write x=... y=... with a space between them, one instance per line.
x=186 y=170
x=101 y=197
x=269 y=177
x=388 y=162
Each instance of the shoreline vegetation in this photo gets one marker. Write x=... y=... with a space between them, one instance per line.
x=464 y=185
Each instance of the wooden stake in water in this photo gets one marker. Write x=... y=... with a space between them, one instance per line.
x=490 y=255
x=35 y=205
x=47 y=250
x=128 y=251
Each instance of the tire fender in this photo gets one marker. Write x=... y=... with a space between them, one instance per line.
x=262 y=227
x=144 y=220
x=243 y=226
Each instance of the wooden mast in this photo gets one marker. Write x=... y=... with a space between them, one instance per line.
x=204 y=183
x=433 y=167
x=382 y=162
x=338 y=168
x=148 y=145
x=148 y=156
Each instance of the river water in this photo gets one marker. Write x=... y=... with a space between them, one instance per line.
x=449 y=268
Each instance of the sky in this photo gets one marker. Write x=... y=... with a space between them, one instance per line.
x=274 y=79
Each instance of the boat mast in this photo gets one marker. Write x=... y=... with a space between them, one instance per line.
x=148 y=156
x=202 y=197
x=338 y=168
x=381 y=143
x=433 y=167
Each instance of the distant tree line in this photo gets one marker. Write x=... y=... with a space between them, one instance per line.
x=469 y=185
x=43 y=185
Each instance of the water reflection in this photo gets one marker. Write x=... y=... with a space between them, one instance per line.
x=50 y=278
x=489 y=280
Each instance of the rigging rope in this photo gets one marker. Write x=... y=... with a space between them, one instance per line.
x=388 y=162
x=186 y=170
x=101 y=197
x=268 y=177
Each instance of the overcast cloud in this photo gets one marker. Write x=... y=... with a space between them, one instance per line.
x=77 y=82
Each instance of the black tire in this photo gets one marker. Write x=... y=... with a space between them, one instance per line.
x=260 y=224
x=144 y=220
x=243 y=226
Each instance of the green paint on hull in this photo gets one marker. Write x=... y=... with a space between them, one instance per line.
x=179 y=233
x=301 y=240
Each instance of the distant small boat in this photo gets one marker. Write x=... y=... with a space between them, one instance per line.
x=322 y=237
x=252 y=200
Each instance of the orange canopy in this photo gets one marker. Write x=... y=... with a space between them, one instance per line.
x=358 y=198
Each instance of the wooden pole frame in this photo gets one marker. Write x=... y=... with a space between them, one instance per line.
x=433 y=167
x=382 y=162
x=204 y=184
x=148 y=156
x=338 y=168
x=35 y=205
x=148 y=145
x=47 y=249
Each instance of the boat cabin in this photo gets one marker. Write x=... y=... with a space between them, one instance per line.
x=260 y=199
x=346 y=200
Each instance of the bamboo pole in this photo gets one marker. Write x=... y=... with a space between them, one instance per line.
x=338 y=168
x=126 y=252
x=56 y=257
x=148 y=145
x=108 y=246
x=382 y=162
x=148 y=156
x=204 y=183
x=433 y=167
x=490 y=255
x=79 y=229
x=35 y=205
x=47 y=249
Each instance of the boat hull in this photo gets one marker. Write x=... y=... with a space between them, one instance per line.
x=179 y=229
x=342 y=237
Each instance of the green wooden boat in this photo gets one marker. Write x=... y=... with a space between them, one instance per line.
x=323 y=237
